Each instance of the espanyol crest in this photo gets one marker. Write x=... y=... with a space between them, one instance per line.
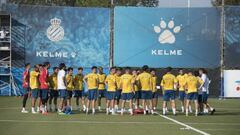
x=55 y=32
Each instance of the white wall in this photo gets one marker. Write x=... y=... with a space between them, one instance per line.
x=184 y=3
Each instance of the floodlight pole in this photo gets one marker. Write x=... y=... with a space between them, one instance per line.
x=222 y=49
x=111 y=32
x=189 y=1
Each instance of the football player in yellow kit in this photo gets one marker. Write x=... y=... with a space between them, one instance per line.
x=169 y=84
x=192 y=84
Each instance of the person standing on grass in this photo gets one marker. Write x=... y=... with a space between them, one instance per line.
x=91 y=80
x=168 y=84
x=39 y=110
x=119 y=89
x=154 y=89
x=145 y=81
x=70 y=87
x=53 y=89
x=181 y=81
x=205 y=92
x=137 y=91
x=127 y=90
x=101 y=86
x=34 y=85
x=61 y=82
x=111 y=92
x=79 y=92
x=192 y=85
x=44 y=89
x=26 y=88
x=200 y=98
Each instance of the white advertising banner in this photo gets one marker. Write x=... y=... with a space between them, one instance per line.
x=231 y=83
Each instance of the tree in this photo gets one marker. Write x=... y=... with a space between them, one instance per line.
x=88 y=3
x=226 y=2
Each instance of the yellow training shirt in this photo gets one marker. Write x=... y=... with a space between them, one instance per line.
x=92 y=81
x=145 y=80
x=168 y=81
x=154 y=83
x=118 y=81
x=78 y=82
x=181 y=79
x=53 y=81
x=126 y=83
x=101 y=85
x=135 y=85
x=192 y=83
x=111 y=82
x=69 y=79
x=34 y=82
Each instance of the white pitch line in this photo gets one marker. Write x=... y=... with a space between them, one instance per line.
x=185 y=125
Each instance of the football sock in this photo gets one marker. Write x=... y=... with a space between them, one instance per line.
x=174 y=110
x=182 y=108
x=164 y=111
x=187 y=112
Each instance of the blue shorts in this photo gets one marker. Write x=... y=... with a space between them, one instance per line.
x=35 y=93
x=101 y=93
x=26 y=90
x=69 y=94
x=192 y=96
x=204 y=97
x=118 y=94
x=84 y=93
x=127 y=96
x=146 y=95
x=92 y=94
x=138 y=94
x=53 y=93
x=155 y=94
x=169 y=95
x=182 y=95
x=78 y=93
x=43 y=94
x=110 y=95
x=63 y=93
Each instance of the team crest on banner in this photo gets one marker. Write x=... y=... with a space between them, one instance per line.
x=55 y=32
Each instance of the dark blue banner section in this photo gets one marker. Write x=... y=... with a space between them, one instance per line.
x=160 y=37
x=76 y=36
x=232 y=37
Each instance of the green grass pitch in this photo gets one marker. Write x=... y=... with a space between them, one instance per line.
x=226 y=121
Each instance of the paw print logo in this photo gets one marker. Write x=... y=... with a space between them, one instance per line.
x=167 y=31
x=73 y=54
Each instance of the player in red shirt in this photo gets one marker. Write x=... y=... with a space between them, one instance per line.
x=43 y=79
x=26 y=88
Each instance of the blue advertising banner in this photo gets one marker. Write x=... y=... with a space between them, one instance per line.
x=160 y=37
x=76 y=36
x=232 y=37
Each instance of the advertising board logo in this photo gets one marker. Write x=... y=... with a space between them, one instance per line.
x=55 y=32
x=167 y=31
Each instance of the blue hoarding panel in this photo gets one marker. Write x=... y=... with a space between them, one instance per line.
x=76 y=36
x=232 y=37
x=160 y=37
